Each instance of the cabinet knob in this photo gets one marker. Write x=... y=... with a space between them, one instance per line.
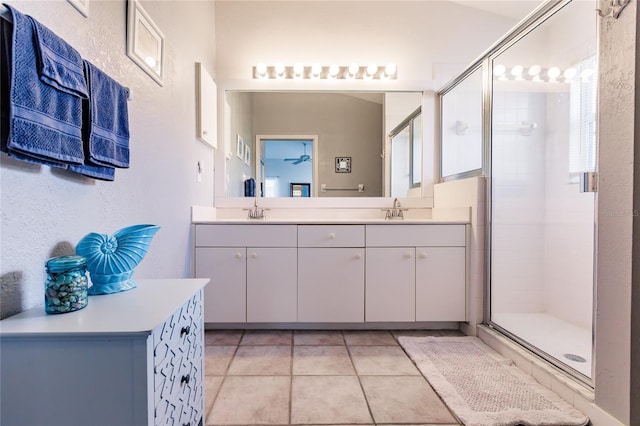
x=254 y=255
x=407 y=255
x=423 y=255
x=185 y=330
x=238 y=255
x=204 y=132
x=358 y=256
x=332 y=236
x=185 y=379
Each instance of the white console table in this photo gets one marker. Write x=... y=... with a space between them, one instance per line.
x=132 y=358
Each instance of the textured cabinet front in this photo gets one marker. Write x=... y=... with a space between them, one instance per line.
x=178 y=367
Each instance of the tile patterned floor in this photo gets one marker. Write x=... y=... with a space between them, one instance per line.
x=280 y=377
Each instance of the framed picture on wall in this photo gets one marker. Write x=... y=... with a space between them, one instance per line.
x=240 y=147
x=81 y=5
x=343 y=164
x=247 y=155
x=145 y=41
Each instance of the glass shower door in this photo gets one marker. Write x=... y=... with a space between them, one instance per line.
x=542 y=226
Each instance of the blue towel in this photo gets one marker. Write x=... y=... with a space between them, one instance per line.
x=45 y=124
x=106 y=132
x=96 y=172
x=59 y=64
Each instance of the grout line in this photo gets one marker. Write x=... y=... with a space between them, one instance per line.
x=291 y=378
x=364 y=394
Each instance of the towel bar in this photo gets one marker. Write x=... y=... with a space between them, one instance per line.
x=359 y=188
x=6 y=15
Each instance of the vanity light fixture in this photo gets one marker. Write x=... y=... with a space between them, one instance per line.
x=320 y=72
x=538 y=74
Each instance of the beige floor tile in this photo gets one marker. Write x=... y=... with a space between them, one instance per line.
x=266 y=337
x=251 y=400
x=314 y=337
x=322 y=360
x=328 y=399
x=261 y=361
x=222 y=337
x=404 y=400
x=369 y=337
x=217 y=359
x=211 y=387
x=382 y=360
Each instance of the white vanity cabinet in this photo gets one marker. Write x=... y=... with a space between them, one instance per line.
x=253 y=272
x=391 y=284
x=128 y=359
x=440 y=284
x=331 y=273
x=416 y=273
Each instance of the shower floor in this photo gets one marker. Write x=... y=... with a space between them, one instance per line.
x=552 y=335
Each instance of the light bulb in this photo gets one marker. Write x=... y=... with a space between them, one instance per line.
x=553 y=73
x=390 y=69
x=279 y=70
x=372 y=69
x=534 y=70
x=516 y=71
x=586 y=73
x=353 y=69
x=334 y=69
x=316 y=69
x=298 y=70
x=261 y=69
x=569 y=73
x=499 y=70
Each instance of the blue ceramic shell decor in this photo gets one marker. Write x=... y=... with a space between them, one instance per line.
x=111 y=260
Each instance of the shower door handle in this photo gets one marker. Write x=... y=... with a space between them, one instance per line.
x=588 y=182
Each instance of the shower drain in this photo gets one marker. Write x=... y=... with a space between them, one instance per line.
x=574 y=357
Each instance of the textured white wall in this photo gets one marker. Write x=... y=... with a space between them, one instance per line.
x=617 y=121
x=45 y=212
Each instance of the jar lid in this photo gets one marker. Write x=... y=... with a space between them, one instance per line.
x=64 y=263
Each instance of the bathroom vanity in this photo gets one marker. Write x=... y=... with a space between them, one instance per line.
x=132 y=358
x=315 y=272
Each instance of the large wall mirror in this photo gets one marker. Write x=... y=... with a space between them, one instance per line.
x=315 y=144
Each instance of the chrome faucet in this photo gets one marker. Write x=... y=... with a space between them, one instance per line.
x=396 y=211
x=256 y=212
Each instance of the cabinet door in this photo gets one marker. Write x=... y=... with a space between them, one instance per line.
x=390 y=284
x=225 y=296
x=272 y=284
x=440 y=284
x=331 y=284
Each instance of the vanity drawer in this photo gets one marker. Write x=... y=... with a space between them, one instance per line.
x=416 y=235
x=255 y=235
x=331 y=236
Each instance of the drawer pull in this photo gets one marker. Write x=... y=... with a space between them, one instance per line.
x=332 y=236
x=423 y=255
x=185 y=330
x=254 y=255
x=238 y=256
x=185 y=379
x=358 y=256
x=407 y=255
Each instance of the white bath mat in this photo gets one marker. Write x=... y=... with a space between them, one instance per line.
x=483 y=388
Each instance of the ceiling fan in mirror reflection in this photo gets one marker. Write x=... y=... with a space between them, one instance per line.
x=303 y=157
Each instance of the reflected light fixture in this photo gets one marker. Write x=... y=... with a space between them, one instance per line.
x=553 y=73
x=499 y=70
x=322 y=72
x=534 y=70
